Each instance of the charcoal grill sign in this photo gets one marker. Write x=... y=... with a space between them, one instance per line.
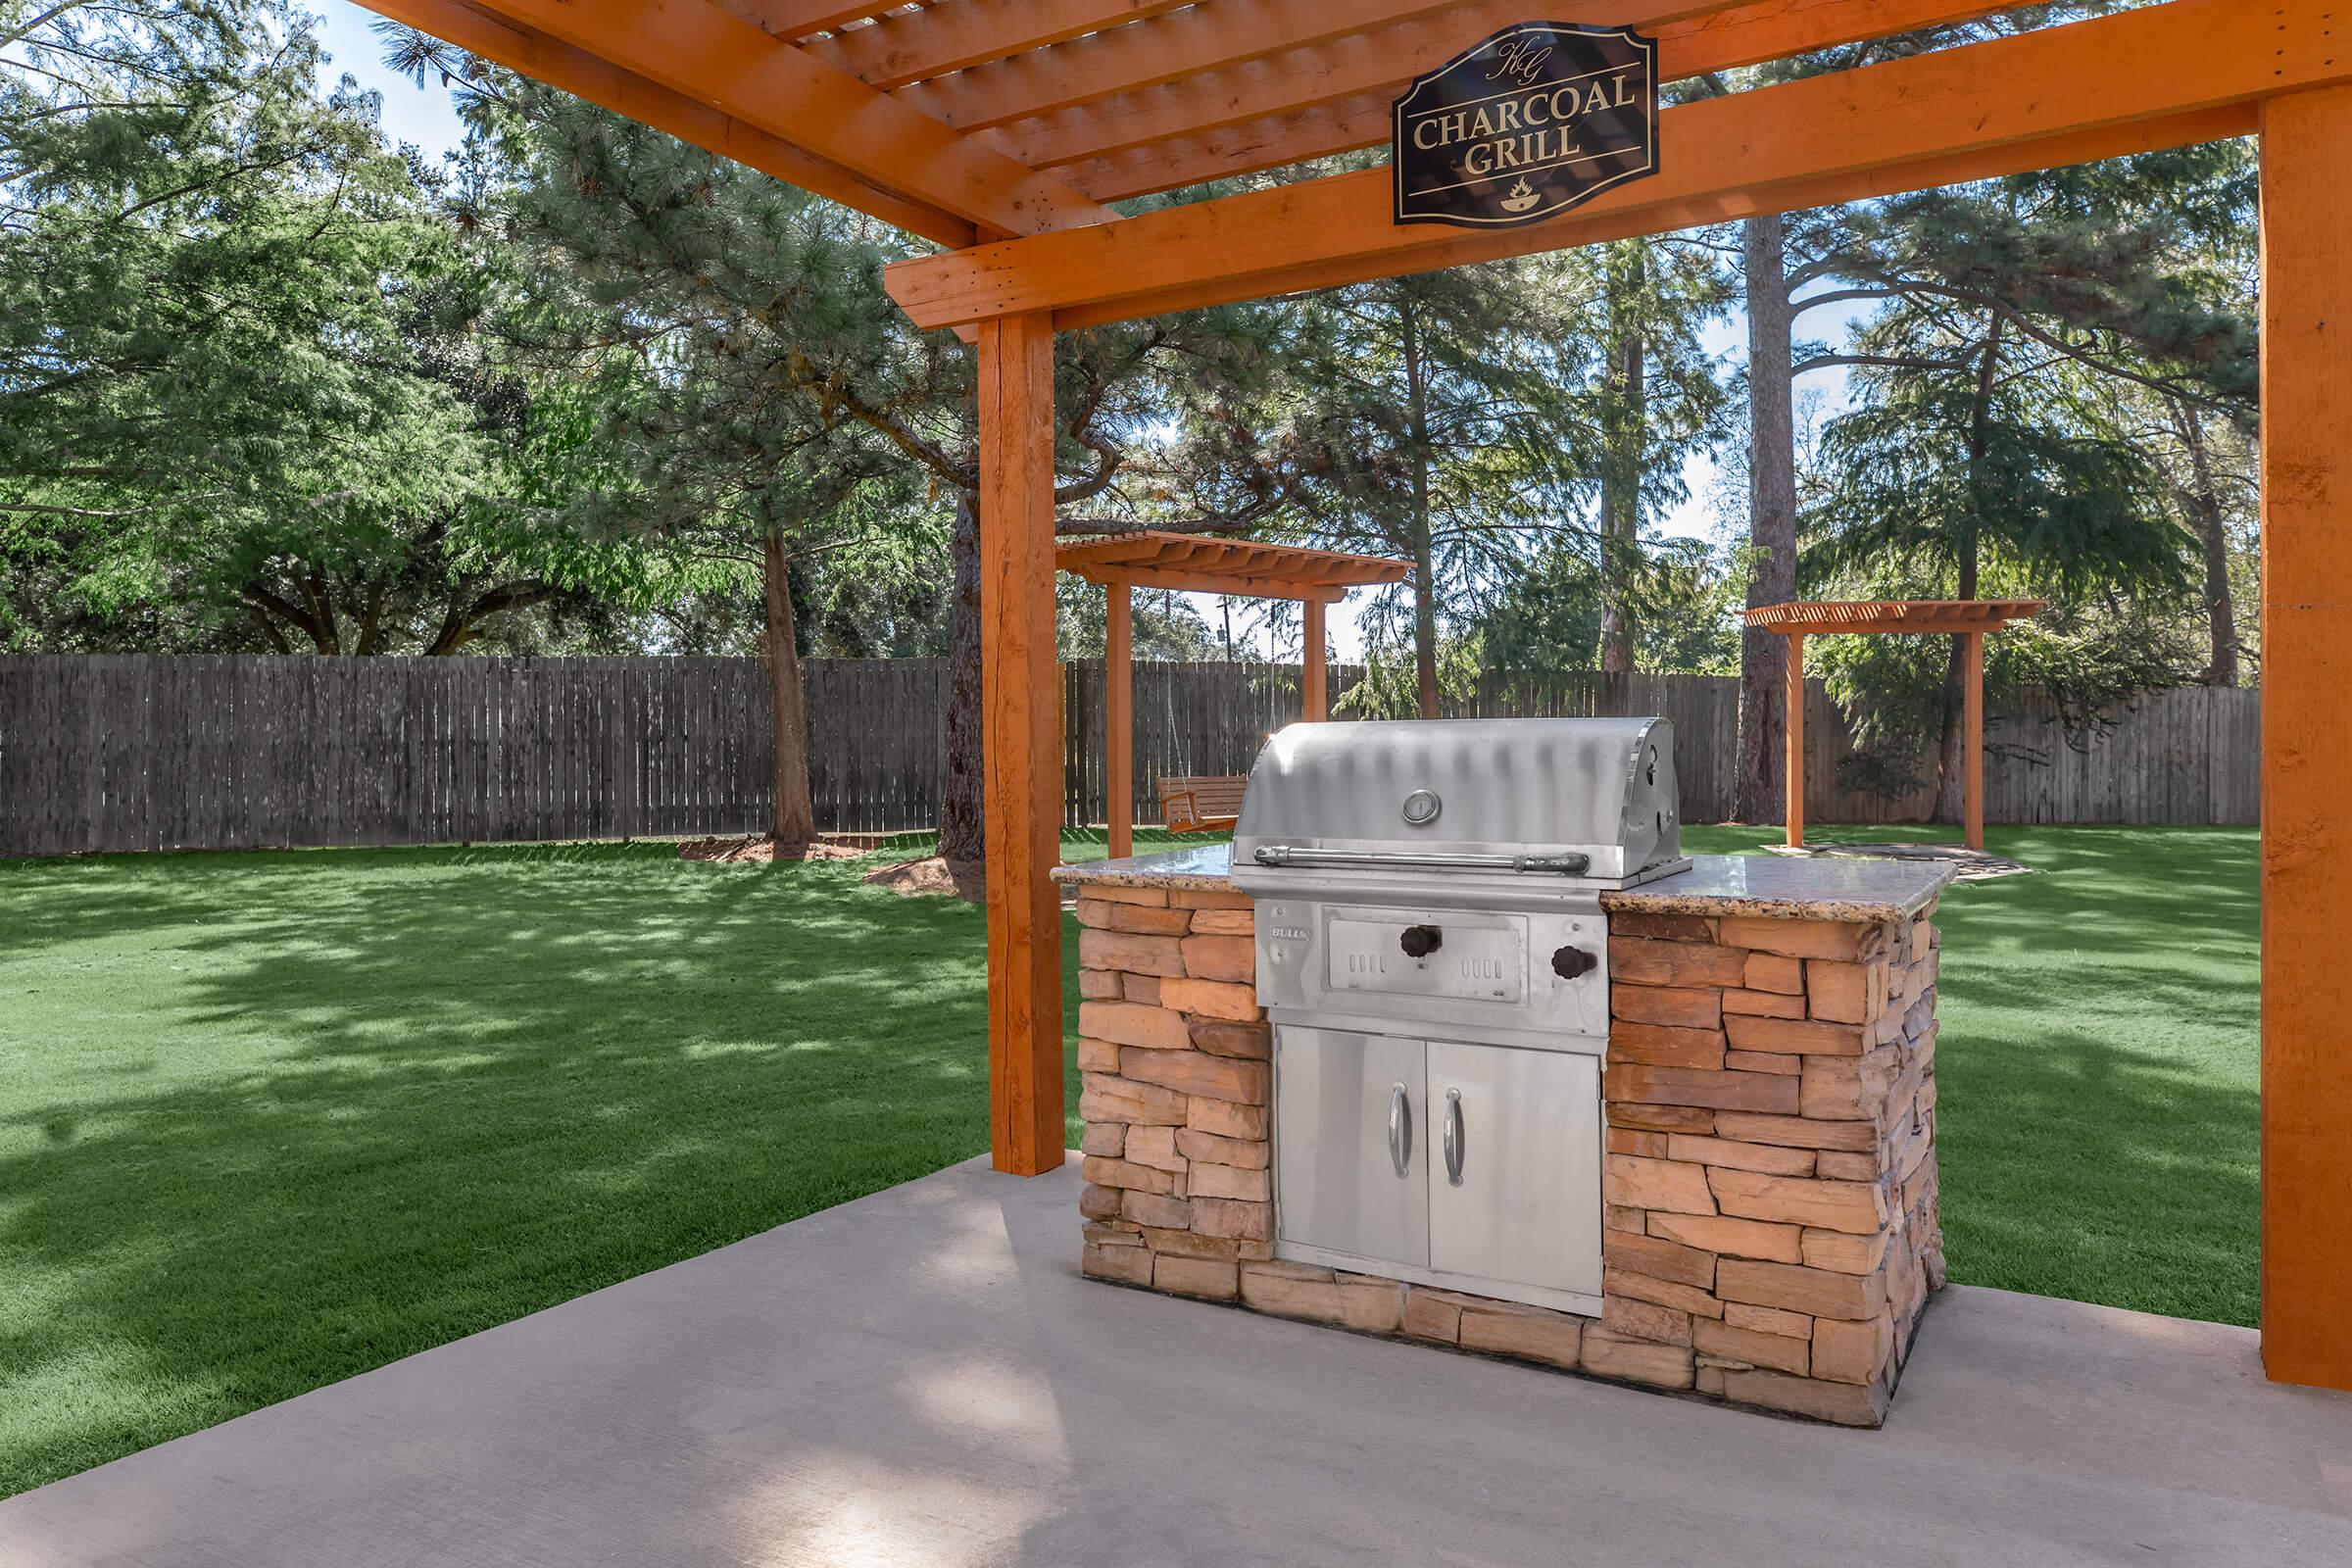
x=1536 y=119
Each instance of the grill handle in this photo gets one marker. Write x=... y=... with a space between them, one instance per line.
x=1400 y=1129
x=1406 y=859
x=1453 y=1137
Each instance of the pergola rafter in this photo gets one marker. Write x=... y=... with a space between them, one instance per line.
x=910 y=46
x=1905 y=124
x=997 y=128
x=505 y=41
x=706 y=53
x=1372 y=68
x=1236 y=122
x=1199 y=39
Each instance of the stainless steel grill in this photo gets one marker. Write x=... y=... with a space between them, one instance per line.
x=1431 y=944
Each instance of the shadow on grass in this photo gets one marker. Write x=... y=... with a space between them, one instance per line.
x=271 y=1120
x=2100 y=1070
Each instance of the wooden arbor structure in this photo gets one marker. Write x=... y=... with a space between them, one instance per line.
x=1968 y=618
x=999 y=130
x=1204 y=564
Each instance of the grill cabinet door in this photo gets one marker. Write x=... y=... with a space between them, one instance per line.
x=1344 y=1182
x=1526 y=1125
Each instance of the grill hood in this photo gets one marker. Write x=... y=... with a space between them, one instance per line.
x=1587 y=798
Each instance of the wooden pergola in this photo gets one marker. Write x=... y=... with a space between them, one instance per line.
x=1969 y=620
x=1001 y=130
x=1204 y=563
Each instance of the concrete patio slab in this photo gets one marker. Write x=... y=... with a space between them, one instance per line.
x=921 y=1376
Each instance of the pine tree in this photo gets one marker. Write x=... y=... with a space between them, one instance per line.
x=758 y=393
x=1783 y=256
x=1468 y=421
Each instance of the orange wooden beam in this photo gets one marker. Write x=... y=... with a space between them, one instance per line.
x=1118 y=719
x=1022 y=728
x=1793 y=740
x=910 y=45
x=1604 y=220
x=1184 y=43
x=2022 y=102
x=1314 y=698
x=697 y=48
x=1240 y=560
x=798 y=19
x=1880 y=609
x=1382 y=46
x=1891 y=626
x=1234 y=123
x=1213 y=582
x=1972 y=726
x=586 y=76
x=2306 y=739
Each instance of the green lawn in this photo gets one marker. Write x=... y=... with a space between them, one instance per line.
x=268 y=1120
x=2097 y=1066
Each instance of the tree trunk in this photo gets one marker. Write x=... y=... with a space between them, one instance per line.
x=1952 y=776
x=2204 y=504
x=372 y=621
x=1425 y=629
x=1425 y=599
x=795 y=821
x=963 y=820
x=1760 y=783
x=1624 y=428
x=277 y=639
x=319 y=601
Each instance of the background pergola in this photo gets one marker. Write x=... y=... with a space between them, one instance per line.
x=1001 y=129
x=1202 y=564
x=1968 y=618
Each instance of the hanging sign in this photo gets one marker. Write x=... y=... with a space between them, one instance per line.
x=1533 y=121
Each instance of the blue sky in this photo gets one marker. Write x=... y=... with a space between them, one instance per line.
x=423 y=117
x=419 y=114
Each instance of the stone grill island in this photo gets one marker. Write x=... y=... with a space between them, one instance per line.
x=1767 y=1208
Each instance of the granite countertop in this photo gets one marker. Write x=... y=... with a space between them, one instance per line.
x=1760 y=886
x=1211 y=866
x=1790 y=888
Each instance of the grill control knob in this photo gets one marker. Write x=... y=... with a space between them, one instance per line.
x=1571 y=961
x=1420 y=940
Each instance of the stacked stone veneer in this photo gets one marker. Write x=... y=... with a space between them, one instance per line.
x=1768 y=1188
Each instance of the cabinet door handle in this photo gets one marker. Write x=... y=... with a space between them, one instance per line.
x=1454 y=1136
x=1400 y=1129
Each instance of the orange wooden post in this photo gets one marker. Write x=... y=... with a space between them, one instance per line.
x=1118 y=719
x=1021 y=726
x=1314 y=701
x=2306 y=739
x=1972 y=773
x=1794 y=785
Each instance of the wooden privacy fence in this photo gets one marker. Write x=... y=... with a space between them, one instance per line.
x=154 y=753
x=2189 y=755
x=1209 y=718
x=102 y=752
